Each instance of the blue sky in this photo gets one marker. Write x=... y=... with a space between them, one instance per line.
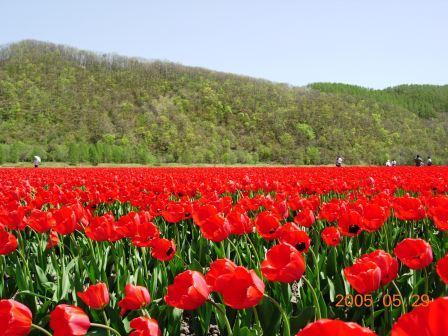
x=374 y=43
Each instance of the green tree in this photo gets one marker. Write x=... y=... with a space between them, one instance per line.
x=94 y=156
x=73 y=153
x=3 y=153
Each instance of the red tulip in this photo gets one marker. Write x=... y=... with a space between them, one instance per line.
x=103 y=228
x=163 y=249
x=66 y=320
x=174 y=213
x=218 y=268
x=145 y=326
x=364 y=276
x=305 y=218
x=429 y=320
x=408 y=208
x=240 y=222
x=41 y=221
x=331 y=236
x=249 y=204
x=66 y=221
x=442 y=269
x=215 y=228
x=53 y=239
x=188 y=291
x=438 y=211
x=201 y=213
x=332 y=210
x=299 y=203
x=241 y=288
x=350 y=223
x=326 y=327
x=267 y=225
x=279 y=207
x=15 y=318
x=440 y=218
x=82 y=214
x=136 y=297
x=8 y=242
x=291 y=234
x=13 y=217
x=126 y=224
x=373 y=217
x=283 y=263
x=157 y=206
x=414 y=253
x=387 y=264
x=138 y=227
x=95 y=296
x=144 y=232
x=223 y=204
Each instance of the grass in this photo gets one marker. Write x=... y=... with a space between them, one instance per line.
x=124 y=165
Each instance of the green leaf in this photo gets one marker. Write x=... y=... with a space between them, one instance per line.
x=269 y=317
x=66 y=285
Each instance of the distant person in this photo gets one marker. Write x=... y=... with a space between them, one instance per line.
x=339 y=161
x=37 y=161
x=429 y=161
x=394 y=163
x=418 y=161
x=388 y=163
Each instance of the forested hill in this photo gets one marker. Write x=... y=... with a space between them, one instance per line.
x=425 y=100
x=70 y=105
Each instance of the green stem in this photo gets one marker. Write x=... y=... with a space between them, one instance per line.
x=33 y=294
x=403 y=305
x=257 y=320
x=42 y=330
x=316 y=264
x=223 y=313
x=316 y=300
x=286 y=328
x=386 y=236
x=106 y=321
x=144 y=262
x=2 y=272
x=183 y=261
x=236 y=251
x=25 y=262
x=177 y=235
x=102 y=326
x=249 y=240
x=223 y=249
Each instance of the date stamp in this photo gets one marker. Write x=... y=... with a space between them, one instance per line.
x=388 y=300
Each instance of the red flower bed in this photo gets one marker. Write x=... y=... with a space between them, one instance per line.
x=251 y=251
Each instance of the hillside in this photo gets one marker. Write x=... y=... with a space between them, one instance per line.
x=425 y=100
x=70 y=105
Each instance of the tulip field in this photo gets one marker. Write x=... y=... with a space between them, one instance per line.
x=224 y=251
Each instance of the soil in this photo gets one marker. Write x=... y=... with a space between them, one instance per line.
x=187 y=330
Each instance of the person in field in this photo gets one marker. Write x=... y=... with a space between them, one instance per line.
x=418 y=161
x=394 y=163
x=429 y=161
x=388 y=163
x=37 y=161
x=339 y=161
